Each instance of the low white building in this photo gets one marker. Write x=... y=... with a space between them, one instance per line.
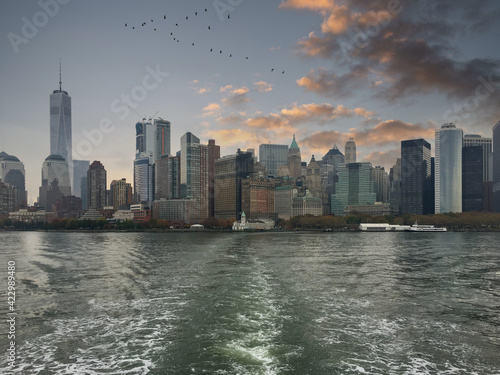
x=259 y=224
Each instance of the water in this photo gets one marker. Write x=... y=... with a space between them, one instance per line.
x=253 y=303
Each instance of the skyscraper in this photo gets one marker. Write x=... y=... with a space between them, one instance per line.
x=162 y=129
x=381 y=184
x=143 y=178
x=487 y=147
x=80 y=168
x=294 y=160
x=496 y=167
x=213 y=155
x=350 y=151
x=448 y=181
x=12 y=173
x=167 y=178
x=355 y=187
x=472 y=178
x=120 y=193
x=272 y=156
x=96 y=186
x=186 y=163
x=60 y=125
x=416 y=177
x=55 y=181
x=229 y=172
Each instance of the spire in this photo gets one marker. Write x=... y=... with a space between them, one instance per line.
x=60 y=80
x=294 y=143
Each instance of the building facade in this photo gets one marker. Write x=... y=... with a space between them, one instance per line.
x=257 y=198
x=355 y=187
x=487 y=147
x=96 y=186
x=472 y=178
x=60 y=126
x=294 y=160
x=120 y=193
x=162 y=135
x=448 y=169
x=229 y=172
x=350 y=151
x=416 y=184
x=272 y=156
x=496 y=167
x=167 y=178
x=12 y=173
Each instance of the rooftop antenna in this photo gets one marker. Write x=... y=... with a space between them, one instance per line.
x=60 y=80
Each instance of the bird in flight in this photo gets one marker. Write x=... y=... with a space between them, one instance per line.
x=125 y=25
x=164 y=17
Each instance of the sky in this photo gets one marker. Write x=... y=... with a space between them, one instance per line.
x=259 y=71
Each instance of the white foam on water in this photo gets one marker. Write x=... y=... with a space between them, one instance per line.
x=119 y=337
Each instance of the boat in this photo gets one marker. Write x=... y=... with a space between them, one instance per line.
x=425 y=228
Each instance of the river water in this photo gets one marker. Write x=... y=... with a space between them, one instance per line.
x=253 y=303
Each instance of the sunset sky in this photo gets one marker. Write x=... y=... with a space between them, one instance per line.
x=377 y=70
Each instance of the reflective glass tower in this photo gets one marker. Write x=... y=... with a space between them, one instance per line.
x=60 y=125
x=448 y=164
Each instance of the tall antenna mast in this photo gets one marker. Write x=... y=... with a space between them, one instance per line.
x=60 y=80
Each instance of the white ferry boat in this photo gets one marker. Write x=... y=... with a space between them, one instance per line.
x=425 y=228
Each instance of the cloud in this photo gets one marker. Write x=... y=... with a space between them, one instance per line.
x=226 y=88
x=405 y=46
x=391 y=132
x=321 y=113
x=386 y=159
x=211 y=110
x=237 y=98
x=263 y=86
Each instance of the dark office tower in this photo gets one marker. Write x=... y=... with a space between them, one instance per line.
x=472 y=178
x=395 y=186
x=229 y=172
x=120 y=193
x=60 y=125
x=486 y=144
x=12 y=173
x=186 y=163
x=294 y=160
x=213 y=155
x=496 y=167
x=272 y=156
x=167 y=178
x=96 y=186
x=415 y=176
x=162 y=128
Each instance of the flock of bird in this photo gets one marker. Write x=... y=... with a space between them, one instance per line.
x=175 y=37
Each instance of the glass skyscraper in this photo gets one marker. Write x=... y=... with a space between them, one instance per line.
x=416 y=177
x=355 y=186
x=448 y=164
x=272 y=156
x=162 y=129
x=60 y=126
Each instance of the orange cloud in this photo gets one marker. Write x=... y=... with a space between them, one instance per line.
x=211 y=110
x=385 y=159
x=263 y=86
x=391 y=131
x=318 y=5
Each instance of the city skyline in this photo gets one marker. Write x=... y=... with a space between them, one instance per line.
x=321 y=97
